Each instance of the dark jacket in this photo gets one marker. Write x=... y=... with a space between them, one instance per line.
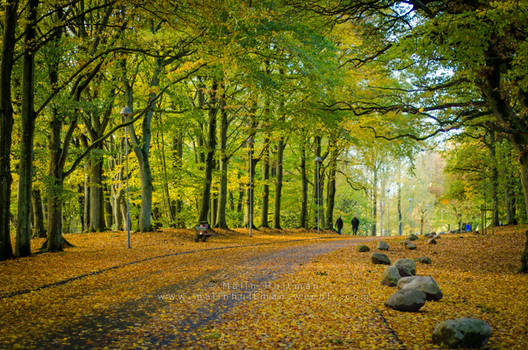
x=355 y=222
x=339 y=223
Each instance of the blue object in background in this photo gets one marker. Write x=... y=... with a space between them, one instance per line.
x=468 y=227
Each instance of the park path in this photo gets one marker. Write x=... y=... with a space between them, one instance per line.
x=171 y=315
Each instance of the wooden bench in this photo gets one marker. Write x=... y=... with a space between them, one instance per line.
x=202 y=232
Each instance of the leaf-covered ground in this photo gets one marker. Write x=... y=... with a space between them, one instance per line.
x=336 y=301
x=274 y=290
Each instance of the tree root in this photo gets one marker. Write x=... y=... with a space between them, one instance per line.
x=65 y=244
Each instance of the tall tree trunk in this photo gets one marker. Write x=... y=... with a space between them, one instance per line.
x=504 y=113
x=6 y=124
x=86 y=208
x=304 y=183
x=145 y=176
x=265 y=185
x=160 y=140
x=494 y=177
x=400 y=223
x=57 y=157
x=209 y=160
x=38 y=215
x=278 y=183
x=374 y=201
x=250 y=203
x=224 y=164
x=316 y=181
x=108 y=208
x=55 y=185
x=97 y=219
x=80 y=196
x=509 y=191
x=142 y=148
x=23 y=235
x=331 y=188
x=381 y=209
x=240 y=201
x=178 y=163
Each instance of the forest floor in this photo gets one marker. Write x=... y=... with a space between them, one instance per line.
x=291 y=289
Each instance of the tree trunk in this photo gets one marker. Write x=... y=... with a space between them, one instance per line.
x=55 y=186
x=504 y=113
x=265 y=185
x=400 y=216
x=178 y=163
x=86 y=208
x=316 y=180
x=6 y=124
x=509 y=194
x=209 y=160
x=240 y=201
x=278 y=184
x=374 y=201
x=142 y=148
x=145 y=176
x=23 y=234
x=331 y=188
x=97 y=220
x=117 y=199
x=38 y=215
x=224 y=164
x=108 y=208
x=494 y=177
x=250 y=203
x=304 y=183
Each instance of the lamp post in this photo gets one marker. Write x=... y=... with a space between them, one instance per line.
x=410 y=215
x=250 y=192
x=388 y=213
x=318 y=163
x=126 y=112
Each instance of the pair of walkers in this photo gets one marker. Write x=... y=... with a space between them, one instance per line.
x=355 y=225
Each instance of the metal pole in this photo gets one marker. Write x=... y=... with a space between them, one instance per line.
x=127 y=200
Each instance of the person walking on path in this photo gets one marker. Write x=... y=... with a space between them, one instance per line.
x=355 y=225
x=339 y=225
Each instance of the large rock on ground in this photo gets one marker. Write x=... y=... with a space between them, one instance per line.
x=406 y=267
x=425 y=284
x=424 y=260
x=431 y=241
x=429 y=235
x=382 y=245
x=409 y=245
x=406 y=300
x=412 y=237
x=363 y=248
x=390 y=276
x=462 y=333
x=380 y=258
